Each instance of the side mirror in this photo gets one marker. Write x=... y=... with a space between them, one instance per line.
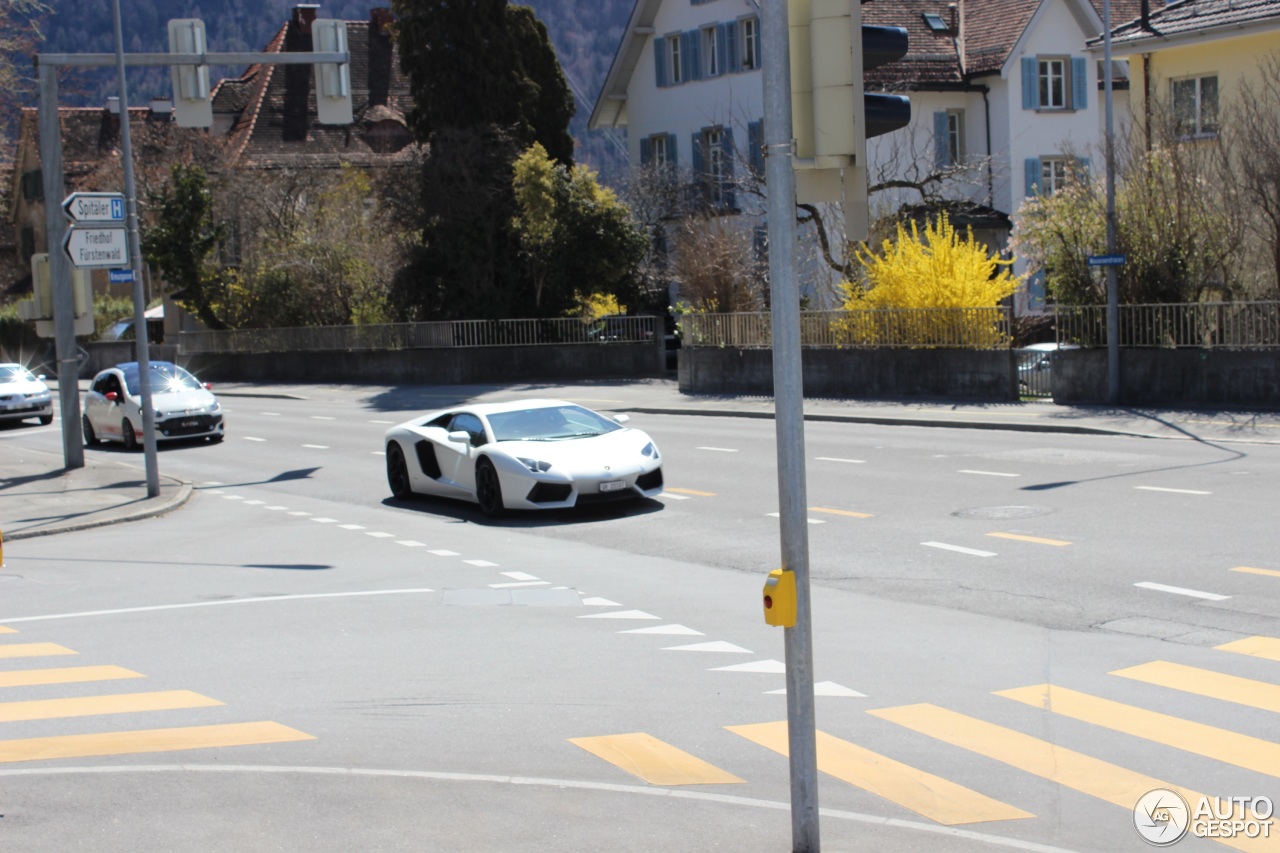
x=111 y=396
x=621 y=419
x=460 y=436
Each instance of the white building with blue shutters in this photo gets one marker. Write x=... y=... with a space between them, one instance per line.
x=1004 y=97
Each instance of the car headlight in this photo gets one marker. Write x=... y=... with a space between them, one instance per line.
x=535 y=465
x=38 y=396
x=650 y=450
x=214 y=406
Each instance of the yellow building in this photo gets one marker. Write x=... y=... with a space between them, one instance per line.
x=1193 y=58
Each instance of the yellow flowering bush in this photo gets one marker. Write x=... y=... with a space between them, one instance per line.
x=939 y=269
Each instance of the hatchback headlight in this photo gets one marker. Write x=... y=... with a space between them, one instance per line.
x=650 y=450
x=535 y=465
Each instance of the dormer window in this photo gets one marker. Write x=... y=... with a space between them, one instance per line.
x=935 y=23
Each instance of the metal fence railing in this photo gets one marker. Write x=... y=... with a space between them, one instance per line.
x=392 y=336
x=1204 y=325
x=963 y=328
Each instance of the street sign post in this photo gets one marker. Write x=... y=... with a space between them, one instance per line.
x=97 y=248
x=120 y=276
x=98 y=208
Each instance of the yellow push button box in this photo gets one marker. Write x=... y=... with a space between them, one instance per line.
x=780 y=598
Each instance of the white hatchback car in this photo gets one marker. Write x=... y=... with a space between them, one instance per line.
x=24 y=395
x=184 y=408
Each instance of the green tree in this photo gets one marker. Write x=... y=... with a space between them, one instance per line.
x=182 y=242
x=574 y=232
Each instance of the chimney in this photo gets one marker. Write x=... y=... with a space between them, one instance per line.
x=953 y=22
x=161 y=106
x=1146 y=14
x=297 y=78
x=304 y=14
x=379 y=66
x=113 y=105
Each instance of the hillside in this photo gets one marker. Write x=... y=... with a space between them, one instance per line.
x=585 y=35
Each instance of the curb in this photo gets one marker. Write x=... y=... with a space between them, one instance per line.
x=159 y=507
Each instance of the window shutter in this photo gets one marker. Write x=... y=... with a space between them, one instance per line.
x=27 y=240
x=33 y=185
x=1033 y=174
x=672 y=148
x=759 y=44
x=755 y=146
x=722 y=49
x=729 y=190
x=660 y=61
x=1030 y=83
x=646 y=150
x=731 y=44
x=1079 y=83
x=941 y=146
x=699 y=176
x=690 y=56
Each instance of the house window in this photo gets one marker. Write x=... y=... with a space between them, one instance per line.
x=714 y=141
x=1195 y=106
x=675 y=72
x=1053 y=174
x=749 y=48
x=955 y=135
x=1053 y=84
x=934 y=22
x=659 y=150
x=711 y=59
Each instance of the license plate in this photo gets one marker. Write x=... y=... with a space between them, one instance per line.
x=613 y=486
x=189 y=424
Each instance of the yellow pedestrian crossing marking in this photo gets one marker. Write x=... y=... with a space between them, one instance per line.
x=692 y=492
x=87 y=706
x=34 y=650
x=1036 y=539
x=5 y=629
x=923 y=793
x=654 y=761
x=844 y=512
x=1086 y=774
x=65 y=675
x=1250 y=570
x=1206 y=682
x=1259 y=647
x=151 y=740
x=1229 y=747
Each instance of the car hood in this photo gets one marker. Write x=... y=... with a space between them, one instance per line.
x=22 y=386
x=192 y=400
x=572 y=454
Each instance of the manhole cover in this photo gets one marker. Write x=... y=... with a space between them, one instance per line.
x=1002 y=512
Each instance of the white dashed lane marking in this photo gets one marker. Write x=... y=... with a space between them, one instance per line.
x=378 y=534
x=1173 y=491
x=520 y=576
x=960 y=549
x=316 y=446
x=988 y=473
x=299 y=513
x=515 y=584
x=671 y=630
x=484 y=564
x=838 y=459
x=441 y=552
x=409 y=543
x=322 y=418
x=325 y=520
x=720 y=449
x=252 y=438
x=352 y=526
x=1178 y=590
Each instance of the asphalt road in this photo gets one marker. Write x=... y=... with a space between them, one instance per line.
x=315 y=666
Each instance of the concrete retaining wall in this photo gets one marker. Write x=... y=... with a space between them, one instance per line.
x=442 y=366
x=1168 y=377
x=987 y=375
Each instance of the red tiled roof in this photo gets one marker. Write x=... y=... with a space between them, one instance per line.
x=1195 y=16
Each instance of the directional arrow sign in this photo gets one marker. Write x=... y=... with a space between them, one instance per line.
x=94 y=207
x=96 y=248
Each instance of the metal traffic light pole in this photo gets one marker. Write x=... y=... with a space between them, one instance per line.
x=788 y=395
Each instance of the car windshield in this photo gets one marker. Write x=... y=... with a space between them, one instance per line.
x=15 y=373
x=549 y=423
x=166 y=378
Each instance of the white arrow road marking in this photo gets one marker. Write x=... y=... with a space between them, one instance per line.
x=715 y=646
x=620 y=614
x=1178 y=590
x=825 y=688
x=675 y=630
x=771 y=666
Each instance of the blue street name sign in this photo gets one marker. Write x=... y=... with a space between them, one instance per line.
x=119 y=276
x=1106 y=260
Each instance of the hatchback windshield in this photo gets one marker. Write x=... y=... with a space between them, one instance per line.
x=165 y=378
x=549 y=423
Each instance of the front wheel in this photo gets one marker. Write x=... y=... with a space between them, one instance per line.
x=398 y=473
x=45 y=420
x=127 y=436
x=90 y=437
x=488 y=489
